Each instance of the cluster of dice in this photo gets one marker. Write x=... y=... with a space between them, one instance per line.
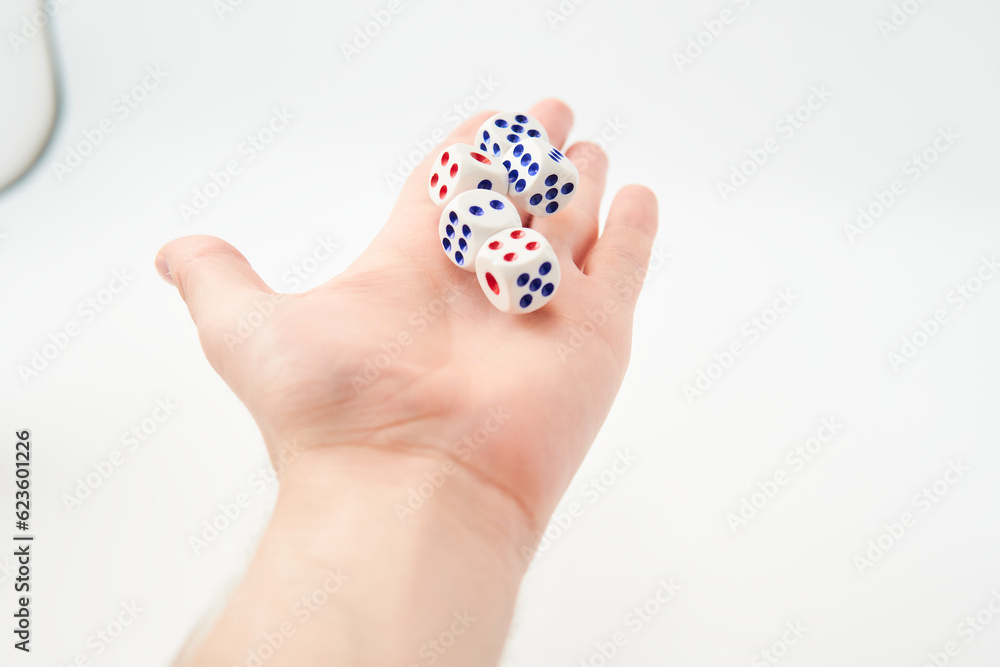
x=483 y=192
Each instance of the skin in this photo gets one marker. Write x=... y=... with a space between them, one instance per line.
x=351 y=451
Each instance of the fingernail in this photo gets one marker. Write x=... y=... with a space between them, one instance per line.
x=163 y=269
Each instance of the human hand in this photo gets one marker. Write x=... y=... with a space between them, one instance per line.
x=384 y=375
x=308 y=374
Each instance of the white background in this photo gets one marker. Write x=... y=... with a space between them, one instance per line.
x=686 y=129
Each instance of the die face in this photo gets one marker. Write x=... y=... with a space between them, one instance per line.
x=471 y=218
x=518 y=270
x=460 y=168
x=541 y=180
x=504 y=130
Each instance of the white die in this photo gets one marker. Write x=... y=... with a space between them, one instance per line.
x=469 y=219
x=518 y=270
x=541 y=179
x=459 y=168
x=501 y=132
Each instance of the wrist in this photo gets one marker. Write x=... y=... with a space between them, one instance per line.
x=374 y=580
x=409 y=491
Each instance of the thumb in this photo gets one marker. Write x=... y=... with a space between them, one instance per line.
x=216 y=282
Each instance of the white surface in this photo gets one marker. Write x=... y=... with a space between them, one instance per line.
x=322 y=180
x=27 y=87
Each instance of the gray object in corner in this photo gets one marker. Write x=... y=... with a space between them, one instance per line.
x=28 y=93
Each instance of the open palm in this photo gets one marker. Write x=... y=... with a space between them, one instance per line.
x=402 y=353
